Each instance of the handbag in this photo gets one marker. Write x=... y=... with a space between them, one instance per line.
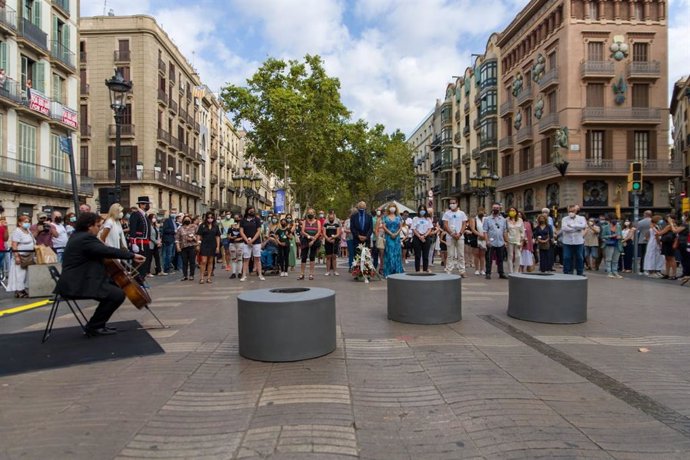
x=544 y=245
x=26 y=259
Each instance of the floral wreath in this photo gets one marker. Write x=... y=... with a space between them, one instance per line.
x=363 y=267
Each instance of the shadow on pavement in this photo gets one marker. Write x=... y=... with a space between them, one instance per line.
x=24 y=352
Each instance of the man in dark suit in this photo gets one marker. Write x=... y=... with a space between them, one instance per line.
x=361 y=225
x=84 y=275
x=140 y=234
x=168 y=232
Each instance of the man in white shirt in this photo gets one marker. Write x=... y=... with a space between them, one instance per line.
x=573 y=227
x=59 y=241
x=454 y=223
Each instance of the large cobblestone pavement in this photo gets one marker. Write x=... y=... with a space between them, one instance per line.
x=487 y=387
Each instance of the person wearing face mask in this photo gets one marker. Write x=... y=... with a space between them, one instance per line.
x=168 y=230
x=209 y=235
x=421 y=229
x=572 y=229
x=140 y=232
x=60 y=235
x=378 y=241
x=611 y=236
x=454 y=224
x=23 y=245
x=515 y=237
x=478 y=243
x=392 y=226
x=310 y=242
x=292 y=258
x=111 y=232
x=347 y=232
x=282 y=238
x=250 y=231
x=224 y=225
x=70 y=219
x=331 y=234
x=628 y=241
x=591 y=237
x=653 y=260
x=495 y=231
x=362 y=226
x=185 y=244
x=155 y=245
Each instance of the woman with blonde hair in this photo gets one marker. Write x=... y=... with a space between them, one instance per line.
x=112 y=233
x=392 y=226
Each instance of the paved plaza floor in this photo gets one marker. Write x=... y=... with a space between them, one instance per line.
x=486 y=387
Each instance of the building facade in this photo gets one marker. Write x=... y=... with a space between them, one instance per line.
x=680 y=114
x=160 y=154
x=599 y=69
x=38 y=106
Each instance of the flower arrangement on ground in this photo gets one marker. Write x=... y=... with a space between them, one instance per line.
x=363 y=266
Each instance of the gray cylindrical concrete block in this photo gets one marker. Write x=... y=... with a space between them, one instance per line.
x=288 y=324
x=424 y=298
x=547 y=298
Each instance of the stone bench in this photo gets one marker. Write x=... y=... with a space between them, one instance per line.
x=289 y=324
x=424 y=298
x=547 y=298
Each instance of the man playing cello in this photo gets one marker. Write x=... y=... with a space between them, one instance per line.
x=84 y=274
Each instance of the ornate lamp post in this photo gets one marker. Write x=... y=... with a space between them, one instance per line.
x=484 y=183
x=118 y=88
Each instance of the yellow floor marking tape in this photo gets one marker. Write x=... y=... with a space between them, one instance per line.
x=25 y=307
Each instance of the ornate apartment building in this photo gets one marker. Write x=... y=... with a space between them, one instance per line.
x=680 y=114
x=576 y=81
x=160 y=153
x=38 y=106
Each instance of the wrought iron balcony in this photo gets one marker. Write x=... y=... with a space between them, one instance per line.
x=214 y=179
x=550 y=78
x=457 y=138
x=466 y=130
x=26 y=174
x=162 y=97
x=636 y=69
x=63 y=54
x=8 y=19
x=623 y=115
x=126 y=130
x=85 y=131
x=524 y=135
x=526 y=95
x=63 y=5
x=63 y=114
x=149 y=175
x=121 y=55
x=11 y=91
x=84 y=89
x=466 y=158
x=487 y=143
x=597 y=69
x=164 y=136
x=172 y=105
x=476 y=153
x=33 y=34
x=507 y=107
x=161 y=65
x=549 y=122
x=82 y=57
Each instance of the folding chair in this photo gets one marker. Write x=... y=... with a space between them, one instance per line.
x=71 y=303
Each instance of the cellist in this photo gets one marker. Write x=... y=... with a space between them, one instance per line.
x=84 y=275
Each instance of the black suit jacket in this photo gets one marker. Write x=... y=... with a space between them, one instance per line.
x=83 y=271
x=169 y=231
x=139 y=227
x=358 y=229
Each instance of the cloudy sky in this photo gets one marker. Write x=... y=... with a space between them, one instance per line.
x=393 y=57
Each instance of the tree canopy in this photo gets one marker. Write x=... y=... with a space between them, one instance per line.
x=293 y=113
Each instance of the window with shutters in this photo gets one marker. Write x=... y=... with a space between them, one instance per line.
x=552 y=61
x=593 y=10
x=84 y=160
x=641 y=145
x=26 y=150
x=127 y=115
x=552 y=102
x=528 y=116
x=547 y=144
x=508 y=165
x=58 y=93
x=595 y=149
x=595 y=51
x=637 y=13
x=640 y=52
x=595 y=95
x=32 y=11
x=58 y=161
x=640 y=95
x=4 y=62
x=124 y=70
x=526 y=159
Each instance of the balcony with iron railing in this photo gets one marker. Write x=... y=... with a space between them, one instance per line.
x=63 y=54
x=466 y=158
x=196 y=126
x=164 y=136
x=524 y=134
x=12 y=92
x=467 y=106
x=183 y=115
x=82 y=57
x=162 y=97
x=549 y=122
x=505 y=143
x=466 y=130
x=85 y=131
x=8 y=19
x=84 y=89
x=214 y=154
x=643 y=69
x=126 y=130
x=457 y=138
x=214 y=179
x=149 y=175
x=597 y=69
x=23 y=174
x=487 y=143
x=174 y=143
x=549 y=79
x=476 y=153
x=436 y=165
x=507 y=107
x=122 y=55
x=33 y=35
x=622 y=115
x=526 y=95
x=62 y=5
x=589 y=167
x=172 y=105
x=63 y=114
x=161 y=66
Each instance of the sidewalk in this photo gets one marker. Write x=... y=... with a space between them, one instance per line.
x=473 y=389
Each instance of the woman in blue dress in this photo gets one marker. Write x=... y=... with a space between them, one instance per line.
x=392 y=263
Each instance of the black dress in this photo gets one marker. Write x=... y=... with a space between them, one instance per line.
x=208 y=239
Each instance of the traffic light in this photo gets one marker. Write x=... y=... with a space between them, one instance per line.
x=635 y=177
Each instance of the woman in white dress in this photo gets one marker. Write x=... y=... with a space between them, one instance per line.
x=112 y=233
x=653 y=260
x=22 y=240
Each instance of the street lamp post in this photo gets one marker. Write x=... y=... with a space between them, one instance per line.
x=484 y=183
x=118 y=88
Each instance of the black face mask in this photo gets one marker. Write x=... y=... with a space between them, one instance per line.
x=58 y=220
x=494 y=212
x=147 y=207
x=480 y=215
x=186 y=222
x=250 y=213
x=310 y=216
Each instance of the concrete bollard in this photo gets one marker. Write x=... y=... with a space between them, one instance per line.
x=547 y=298
x=425 y=298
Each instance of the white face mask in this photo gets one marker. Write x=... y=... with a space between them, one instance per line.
x=572 y=215
x=120 y=216
x=392 y=210
x=453 y=206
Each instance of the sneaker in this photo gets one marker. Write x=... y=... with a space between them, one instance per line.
x=483 y=272
x=262 y=278
x=610 y=275
x=618 y=276
x=477 y=273
x=233 y=276
x=163 y=274
x=328 y=273
x=150 y=275
x=336 y=273
x=244 y=278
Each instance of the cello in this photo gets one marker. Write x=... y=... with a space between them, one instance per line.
x=132 y=289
